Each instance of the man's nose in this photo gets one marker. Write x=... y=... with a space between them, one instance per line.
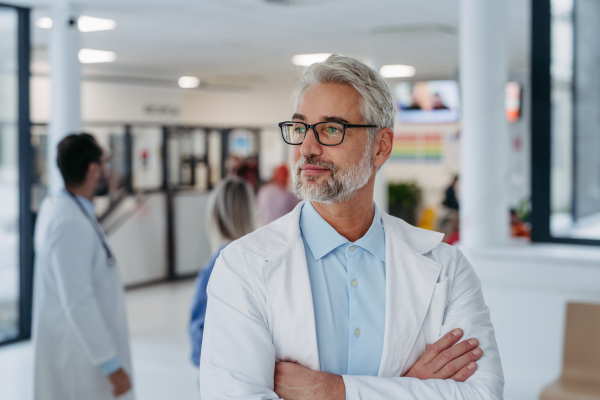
x=311 y=146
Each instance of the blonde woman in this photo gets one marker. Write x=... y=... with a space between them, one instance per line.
x=230 y=215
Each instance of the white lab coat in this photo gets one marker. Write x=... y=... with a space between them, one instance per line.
x=79 y=307
x=260 y=312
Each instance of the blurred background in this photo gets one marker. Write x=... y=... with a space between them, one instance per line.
x=498 y=112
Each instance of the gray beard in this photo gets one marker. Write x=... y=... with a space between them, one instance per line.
x=341 y=186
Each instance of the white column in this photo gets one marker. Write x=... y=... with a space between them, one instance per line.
x=65 y=76
x=484 y=146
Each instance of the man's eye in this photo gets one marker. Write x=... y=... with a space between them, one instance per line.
x=333 y=129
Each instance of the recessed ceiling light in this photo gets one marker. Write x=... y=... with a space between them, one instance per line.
x=307 y=59
x=84 y=23
x=188 y=82
x=90 y=56
x=45 y=23
x=397 y=71
x=92 y=24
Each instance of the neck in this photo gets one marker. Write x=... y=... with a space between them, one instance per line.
x=353 y=218
x=83 y=191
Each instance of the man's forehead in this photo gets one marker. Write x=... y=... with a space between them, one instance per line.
x=323 y=118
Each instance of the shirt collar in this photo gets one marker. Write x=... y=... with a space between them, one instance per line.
x=322 y=238
x=374 y=239
x=87 y=205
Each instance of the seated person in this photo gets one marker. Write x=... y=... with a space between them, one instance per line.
x=337 y=299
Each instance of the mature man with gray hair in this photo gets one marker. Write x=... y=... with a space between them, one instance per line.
x=339 y=299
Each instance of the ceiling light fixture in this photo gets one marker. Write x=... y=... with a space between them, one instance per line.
x=188 y=82
x=90 y=56
x=307 y=59
x=84 y=23
x=93 y=24
x=44 y=23
x=397 y=71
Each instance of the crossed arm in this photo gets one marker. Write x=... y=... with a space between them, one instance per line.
x=238 y=358
x=445 y=359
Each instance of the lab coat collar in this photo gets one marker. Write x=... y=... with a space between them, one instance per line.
x=420 y=240
x=410 y=282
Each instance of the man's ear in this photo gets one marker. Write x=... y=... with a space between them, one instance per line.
x=382 y=147
x=93 y=172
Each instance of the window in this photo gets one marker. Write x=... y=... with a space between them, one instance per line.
x=566 y=121
x=15 y=216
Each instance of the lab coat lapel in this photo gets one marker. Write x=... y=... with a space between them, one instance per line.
x=410 y=282
x=289 y=292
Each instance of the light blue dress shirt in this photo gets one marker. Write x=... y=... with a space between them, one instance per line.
x=348 y=289
x=114 y=364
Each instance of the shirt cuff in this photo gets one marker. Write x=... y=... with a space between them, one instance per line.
x=350 y=388
x=111 y=366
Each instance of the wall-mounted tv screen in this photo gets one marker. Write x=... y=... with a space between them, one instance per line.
x=428 y=102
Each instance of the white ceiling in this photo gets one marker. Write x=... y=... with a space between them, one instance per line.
x=245 y=41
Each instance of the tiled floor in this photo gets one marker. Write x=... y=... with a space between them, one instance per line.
x=158 y=317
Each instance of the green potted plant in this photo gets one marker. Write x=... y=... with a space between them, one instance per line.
x=404 y=198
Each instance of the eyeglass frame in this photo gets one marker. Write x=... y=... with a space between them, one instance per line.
x=309 y=127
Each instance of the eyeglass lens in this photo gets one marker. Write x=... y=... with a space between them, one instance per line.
x=328 y=132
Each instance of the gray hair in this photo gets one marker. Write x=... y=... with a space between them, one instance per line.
x=378 y=107
x=230 y=211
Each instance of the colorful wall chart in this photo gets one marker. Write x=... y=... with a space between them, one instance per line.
x=418 y=147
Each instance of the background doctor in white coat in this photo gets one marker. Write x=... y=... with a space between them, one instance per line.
x=338 y=299
x=80 y=334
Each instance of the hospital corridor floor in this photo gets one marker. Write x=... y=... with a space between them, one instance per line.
x=158 y=320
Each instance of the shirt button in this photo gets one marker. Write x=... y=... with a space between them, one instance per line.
x=352 y=248
x=355 y=283
x=357 y=333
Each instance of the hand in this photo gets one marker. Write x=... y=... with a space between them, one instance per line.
x=120 y=382
x=447 y=360
x=294 y=381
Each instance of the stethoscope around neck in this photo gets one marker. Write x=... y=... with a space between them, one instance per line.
x=110 y=259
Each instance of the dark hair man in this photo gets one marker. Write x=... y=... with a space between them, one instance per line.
x=337 y=299
x=80 y=332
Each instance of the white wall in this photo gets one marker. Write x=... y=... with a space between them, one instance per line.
x=264 y=105
x=111 y=102
x=139 y=243
x=527 y=289
x=193 y=248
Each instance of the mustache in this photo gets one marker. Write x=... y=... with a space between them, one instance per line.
x=314 y=160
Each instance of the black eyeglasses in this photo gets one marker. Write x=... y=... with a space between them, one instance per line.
x=327 y=133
